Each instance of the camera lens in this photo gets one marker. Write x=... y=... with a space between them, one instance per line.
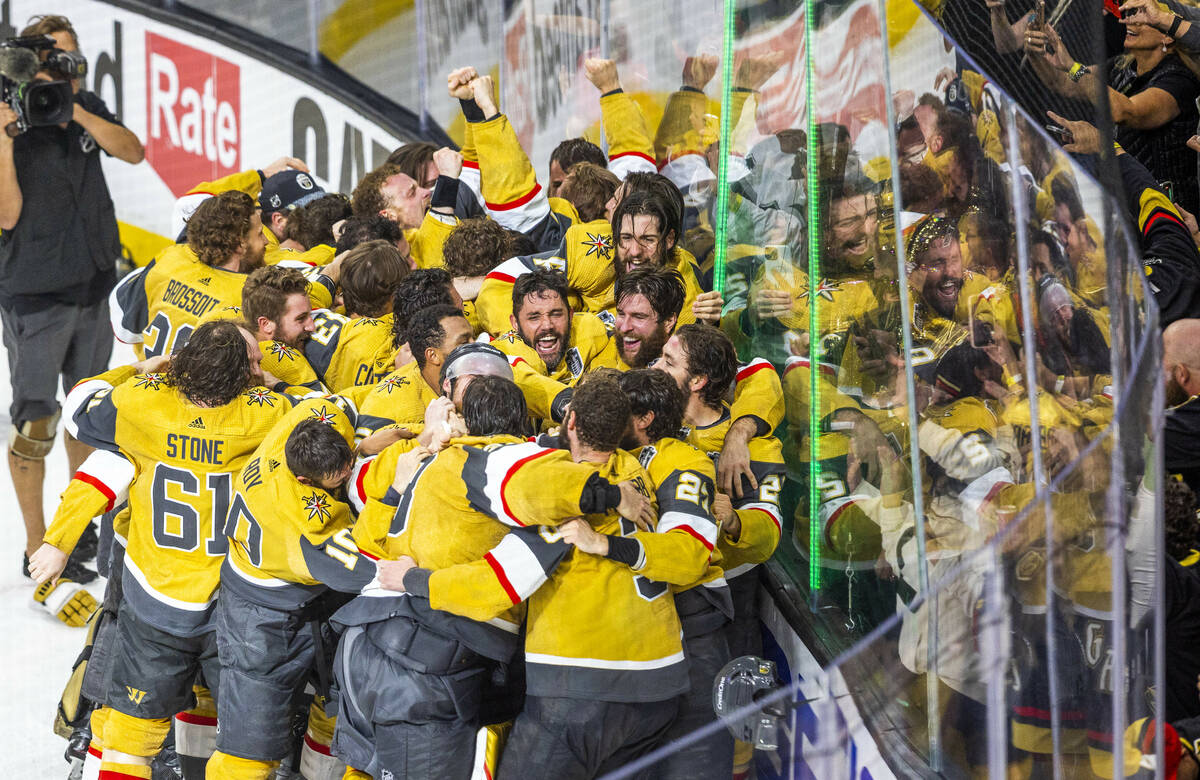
x=45 y=101
x=48 y=103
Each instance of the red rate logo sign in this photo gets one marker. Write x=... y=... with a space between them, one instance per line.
x=193 y=104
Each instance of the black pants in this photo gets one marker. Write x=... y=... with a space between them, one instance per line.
x=266 y=657
x=574 y=739
x=710 y=758
x=152 y=672
x=409 y=723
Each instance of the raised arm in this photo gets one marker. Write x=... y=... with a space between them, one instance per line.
x=112 y=137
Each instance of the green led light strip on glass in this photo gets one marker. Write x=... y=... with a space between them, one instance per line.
x=721 y=228
x=814 y=335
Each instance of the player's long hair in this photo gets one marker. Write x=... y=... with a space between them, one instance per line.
x=710 y=354
x=655 y=391
x=219 y=226
x=493 y=405
x=213 y=368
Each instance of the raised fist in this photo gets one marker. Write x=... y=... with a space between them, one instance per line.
x=458 y=83
x=602 y=74
x=484 y=92
x=449 y=162
x=698 y=71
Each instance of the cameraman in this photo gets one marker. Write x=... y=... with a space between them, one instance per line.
x=57 y=257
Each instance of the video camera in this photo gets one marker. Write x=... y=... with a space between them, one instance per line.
x=38 y=103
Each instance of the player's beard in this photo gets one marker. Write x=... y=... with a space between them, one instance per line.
x=251 y=263
x=658 y=261
x=629 y=442
x=939 y=298
x=555 y=359
x=648 y=351
x=1175 y=393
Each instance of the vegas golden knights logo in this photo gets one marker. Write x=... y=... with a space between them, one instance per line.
x=135 y=695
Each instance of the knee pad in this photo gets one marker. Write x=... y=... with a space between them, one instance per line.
x=33 y=440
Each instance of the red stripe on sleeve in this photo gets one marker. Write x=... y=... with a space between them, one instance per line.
x=779 y=524
x=643 y=155
x=519 y=202
x=97 y=483
x=359 y=483
x=753 y=368
x=1160 y=215
x=513 y=470
x=501 y=277
x=707 y=544
x=502 y=578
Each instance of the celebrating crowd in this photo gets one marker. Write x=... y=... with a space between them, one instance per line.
x=461 y=473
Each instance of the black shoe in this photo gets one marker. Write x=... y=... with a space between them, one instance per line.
x=166 y=765
x=75 y=571
x=85 y=548
x=25 y=566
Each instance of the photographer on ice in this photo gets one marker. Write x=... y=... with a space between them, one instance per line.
x=58 y=250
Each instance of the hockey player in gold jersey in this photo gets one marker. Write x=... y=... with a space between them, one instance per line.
x=185 y=432
x=548 y=336
x=684 y=484
x=702 y=361
x=346 y=350
x=426 y=216
x=603 y=654
x=401 y=396
x=160 y=305
x=277 y=309
x=291 y=543
x=449 y=515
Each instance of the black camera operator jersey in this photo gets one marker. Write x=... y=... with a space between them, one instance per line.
x=64 y=246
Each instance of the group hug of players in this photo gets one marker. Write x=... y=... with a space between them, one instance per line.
x=488 y=456
x=371 y=493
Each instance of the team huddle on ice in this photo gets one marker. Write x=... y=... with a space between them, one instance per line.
x=396 y=467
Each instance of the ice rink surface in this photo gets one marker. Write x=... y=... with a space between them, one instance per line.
x=36 y=650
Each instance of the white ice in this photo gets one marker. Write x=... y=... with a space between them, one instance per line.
x=36 y=650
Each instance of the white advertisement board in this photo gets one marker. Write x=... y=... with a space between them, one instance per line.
x=204 y=110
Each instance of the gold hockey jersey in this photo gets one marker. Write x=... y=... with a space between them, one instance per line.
x=400 y=397
x=185 y=457
x=158 y=306
x=595 y=629
x=680 y=551
x=289 y=541
x=758 y=509
x=344 y=351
